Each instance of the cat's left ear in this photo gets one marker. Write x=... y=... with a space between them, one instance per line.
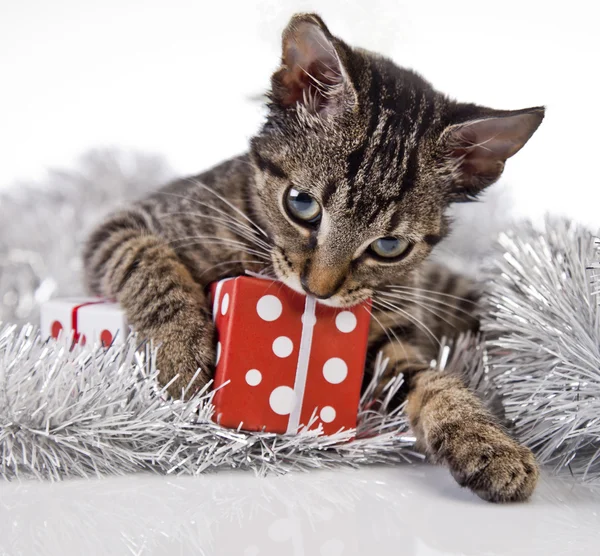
x=478 y=148
x=312 y=72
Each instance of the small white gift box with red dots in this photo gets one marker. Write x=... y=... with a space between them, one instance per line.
x=285 y=361
x=90 y=321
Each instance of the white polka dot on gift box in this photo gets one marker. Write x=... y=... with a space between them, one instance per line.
x=269 y=308
x=345 y=321
x=327 y=414
x=225 y=304
x=335 y=370
x=282 y=400
x=283 y=347
x=253 y=377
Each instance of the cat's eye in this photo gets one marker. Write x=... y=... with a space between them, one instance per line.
x=302 y=207
x=390 y=248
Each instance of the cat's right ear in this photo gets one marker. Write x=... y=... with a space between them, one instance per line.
x=478 y=148
x=312 y=72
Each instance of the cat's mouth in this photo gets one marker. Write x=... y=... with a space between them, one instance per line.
x=343 y=298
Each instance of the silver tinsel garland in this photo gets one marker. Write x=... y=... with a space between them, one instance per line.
x=80 y=413
x=543 y=342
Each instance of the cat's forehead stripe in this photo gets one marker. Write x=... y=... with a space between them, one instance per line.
x=394 y=221
x=355 y=158
x=386 y=162
x=328 y=191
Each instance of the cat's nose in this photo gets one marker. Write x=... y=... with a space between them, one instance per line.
x=321 y=281
x=307 y=289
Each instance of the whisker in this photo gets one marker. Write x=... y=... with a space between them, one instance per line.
x=412 y=318
x=239 y=249
x=436 y=311
x=408 y=288
x=237 y=261
x=264 y=274
x=228 y=240
x=428 y=301
x=240 y=228
x=223 y=241
x=216 y=209
x=414 y=298
x=228 y=203
x=440 y=302
x=387 y=331
x=226 y=217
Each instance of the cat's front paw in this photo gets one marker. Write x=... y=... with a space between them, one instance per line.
x=181 y=353
x=490 y=463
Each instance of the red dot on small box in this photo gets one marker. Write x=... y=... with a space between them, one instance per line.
x=55 y=329
x=106 y=338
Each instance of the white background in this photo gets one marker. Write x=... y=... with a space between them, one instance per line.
x=178 y=78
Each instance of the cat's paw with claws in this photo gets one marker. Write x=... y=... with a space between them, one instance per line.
x=181 y=353
x=486 y=460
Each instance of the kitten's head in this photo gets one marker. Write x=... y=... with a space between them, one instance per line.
x=359 y=159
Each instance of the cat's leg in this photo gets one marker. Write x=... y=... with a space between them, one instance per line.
x=124 y=260
x=453 y=428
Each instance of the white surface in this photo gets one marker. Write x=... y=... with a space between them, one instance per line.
x=177 y=78
x=416 y=511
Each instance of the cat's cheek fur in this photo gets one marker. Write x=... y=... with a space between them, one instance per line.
x=284 y=270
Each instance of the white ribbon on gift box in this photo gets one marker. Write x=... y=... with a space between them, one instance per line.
x=308 y=326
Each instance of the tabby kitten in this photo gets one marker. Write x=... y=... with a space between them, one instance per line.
x=343 y=195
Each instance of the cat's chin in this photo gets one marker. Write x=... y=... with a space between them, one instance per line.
x=337 y=302
x=293 y=283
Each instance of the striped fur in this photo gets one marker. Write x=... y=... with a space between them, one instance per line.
x=384 y=154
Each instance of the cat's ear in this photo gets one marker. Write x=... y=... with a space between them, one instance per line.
x=478 y=148
x=312 y=72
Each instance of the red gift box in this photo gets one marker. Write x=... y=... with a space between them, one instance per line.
x=284 y=359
